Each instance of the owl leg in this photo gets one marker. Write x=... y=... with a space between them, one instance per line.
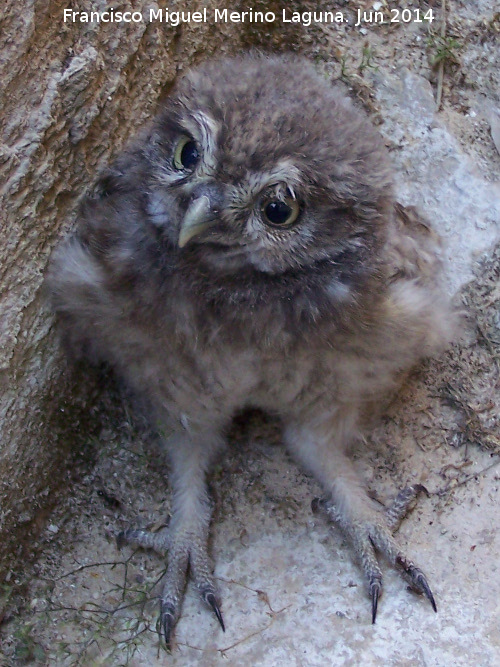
x=186 y=537
x=348 y=505
x=379 y=538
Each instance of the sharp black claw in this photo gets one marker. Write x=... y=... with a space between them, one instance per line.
x=316 y=505
x=420 y=488
x=210 y=598
x=418 y=580
x=375 y=588
x=121 y=540
x=427 y=591
x=430 y=597
x=165 y=626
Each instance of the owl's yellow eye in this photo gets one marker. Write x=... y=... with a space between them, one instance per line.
x=186 y=154
x=280 y=212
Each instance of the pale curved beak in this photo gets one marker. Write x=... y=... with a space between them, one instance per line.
x=198 y=217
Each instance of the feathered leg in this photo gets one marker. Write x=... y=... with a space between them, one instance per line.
x=186 y=537
x=320 y=445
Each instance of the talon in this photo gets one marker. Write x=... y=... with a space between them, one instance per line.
x=165 y=626
x=323 y=504
x=210 y=599
x=417 y=579
x=430 y=597
x=121 y=540
x=375 y=590
x=316 y=505
x=124 y=537
x=420 y=488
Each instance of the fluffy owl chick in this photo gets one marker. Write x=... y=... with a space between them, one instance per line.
x=247 y=250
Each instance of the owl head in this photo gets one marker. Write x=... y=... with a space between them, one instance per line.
x=257 y=163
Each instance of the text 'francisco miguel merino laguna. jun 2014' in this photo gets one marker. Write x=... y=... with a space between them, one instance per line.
x=174 y=18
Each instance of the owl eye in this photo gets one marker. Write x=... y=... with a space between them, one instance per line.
x=280 y=212
x=186 y=154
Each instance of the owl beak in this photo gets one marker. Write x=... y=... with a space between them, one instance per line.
x=198 y=217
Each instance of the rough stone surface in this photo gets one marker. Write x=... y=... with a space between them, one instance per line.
x=291 y=593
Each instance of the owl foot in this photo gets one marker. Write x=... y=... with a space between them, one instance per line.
x=375 y=534
x=186 y=552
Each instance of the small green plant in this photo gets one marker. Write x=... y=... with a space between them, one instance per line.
x=367 y=62
x=367 y=57
x=344 y=74
x=27 y=650
x=445 y=50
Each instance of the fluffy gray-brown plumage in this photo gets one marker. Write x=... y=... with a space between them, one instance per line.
x=247 y=250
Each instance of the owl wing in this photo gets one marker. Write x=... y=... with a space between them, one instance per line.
x=413 y=247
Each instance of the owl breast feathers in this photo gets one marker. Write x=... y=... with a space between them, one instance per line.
x=247 y=250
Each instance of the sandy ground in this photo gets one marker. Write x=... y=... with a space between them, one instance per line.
x=290 y=589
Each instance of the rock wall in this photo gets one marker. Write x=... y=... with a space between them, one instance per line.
x=71 y=94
